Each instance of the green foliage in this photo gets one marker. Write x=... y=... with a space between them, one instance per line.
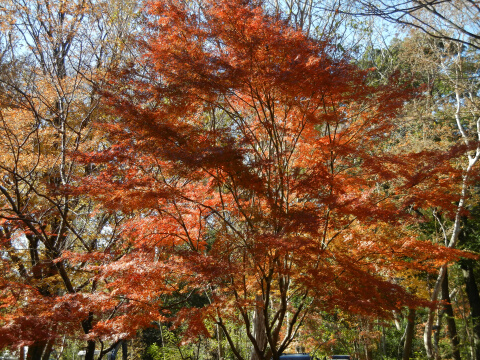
x=164 y=344
x=155 y=352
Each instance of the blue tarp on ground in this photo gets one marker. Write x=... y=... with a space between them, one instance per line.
x=296 y=357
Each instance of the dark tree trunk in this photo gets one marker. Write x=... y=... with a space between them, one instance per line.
x=90 y=351
x=39 y=351
x=124 y=350
x=451 y=326
x=409 y=333
x=35 y=351
x=474 y=301
x=87 y=326
x=221 y=352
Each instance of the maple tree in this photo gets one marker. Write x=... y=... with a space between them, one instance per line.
x=251 y=159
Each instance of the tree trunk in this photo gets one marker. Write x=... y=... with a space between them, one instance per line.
x=474 y=301
x=428 y=333
x=124 y=350
x=409 y=333
x=87 y=326
x=451 y=326
x=436 y=335
x=259 y=330
x=90 y=351
x=221 y=353
x=35 y=351
x=39 y=351
x=397 y=320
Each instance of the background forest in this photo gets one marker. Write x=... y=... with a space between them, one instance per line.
x=239 y=179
